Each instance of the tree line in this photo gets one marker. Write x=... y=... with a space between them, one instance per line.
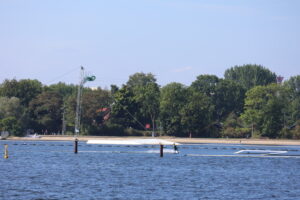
x=250 y=101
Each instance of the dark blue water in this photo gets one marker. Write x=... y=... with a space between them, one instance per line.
x=50 y=170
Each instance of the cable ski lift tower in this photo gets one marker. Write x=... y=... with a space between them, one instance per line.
x=83 y=79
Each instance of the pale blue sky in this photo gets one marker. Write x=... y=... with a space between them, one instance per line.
x=176 y=40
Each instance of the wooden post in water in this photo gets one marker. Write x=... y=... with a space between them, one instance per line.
x=76 y=146
x=5 y=151
x=161 y=150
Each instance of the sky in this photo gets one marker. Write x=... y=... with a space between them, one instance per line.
x=176 y=40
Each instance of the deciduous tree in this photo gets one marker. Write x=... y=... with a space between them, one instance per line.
x=250 y=75
x=196 y=113
x=172 y=100
x=264 y=108
x=46 y=112
x=25 y=89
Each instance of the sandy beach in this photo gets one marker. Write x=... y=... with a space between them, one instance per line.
x=172 y=139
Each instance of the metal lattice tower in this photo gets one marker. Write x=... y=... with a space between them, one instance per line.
x=79 y=101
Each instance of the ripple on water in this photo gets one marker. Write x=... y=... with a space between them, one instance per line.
x=55 y=172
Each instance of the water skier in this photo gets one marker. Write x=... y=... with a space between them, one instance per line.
x=175 y=148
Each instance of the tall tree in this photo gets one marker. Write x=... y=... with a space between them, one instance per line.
x=228 y=97
x=46 y=111
x=12 y=116
x=12 y=125
x=124 y=109
x=172 y=100
x=148 y=99
x=11 y=107
x=196 y=113
x=293 y=111
x=250 y=76
x=294 y=84
x=145 y=92
x=140 y=79
x=25 y=89
x=206 y=84
x=264 y=109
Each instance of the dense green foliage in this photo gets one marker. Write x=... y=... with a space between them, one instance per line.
x=250 y=76
x=265 y=107
x=45 y=112
x=172 y=100
x=246 y=103
x=196 y=113
x=25 y=90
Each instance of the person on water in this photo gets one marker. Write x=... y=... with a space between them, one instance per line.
x=175 y=148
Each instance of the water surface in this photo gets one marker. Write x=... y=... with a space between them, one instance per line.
x=50 y=170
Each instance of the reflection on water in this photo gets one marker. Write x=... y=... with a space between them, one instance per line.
x=50 y=170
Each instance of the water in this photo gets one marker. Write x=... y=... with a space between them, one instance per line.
x=50 y=170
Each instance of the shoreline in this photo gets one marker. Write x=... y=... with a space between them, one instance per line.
x=172 y=139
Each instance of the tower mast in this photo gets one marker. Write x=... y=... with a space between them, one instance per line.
x=79 y=101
